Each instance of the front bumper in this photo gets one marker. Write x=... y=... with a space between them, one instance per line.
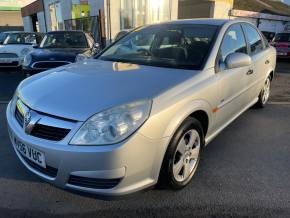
x=10 y=62
x=133 y=165
x=30 y=71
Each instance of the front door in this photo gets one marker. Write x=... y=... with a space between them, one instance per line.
x=232 y=82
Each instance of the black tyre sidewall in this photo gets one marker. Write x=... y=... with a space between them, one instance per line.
x=260 y=103
x=166 y=175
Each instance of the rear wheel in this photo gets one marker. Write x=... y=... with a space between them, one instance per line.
x=264 y=94
x=183 y=155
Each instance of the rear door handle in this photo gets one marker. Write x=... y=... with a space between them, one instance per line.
x=267 y=62
x=250 y=72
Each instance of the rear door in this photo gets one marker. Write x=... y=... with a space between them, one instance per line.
x=260 y=54
x=232 y=94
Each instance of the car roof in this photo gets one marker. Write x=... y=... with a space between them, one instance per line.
x=9 y=32
x=206 y=21
x=67 y=31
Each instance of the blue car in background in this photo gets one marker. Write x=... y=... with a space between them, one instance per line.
x=59 y=48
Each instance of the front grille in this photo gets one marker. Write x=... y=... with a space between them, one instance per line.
x=49 y=171
x=49 y=132
x=93 y=183
x=43 y=131
x=49 y=65
x=12 y=64
x=19 y=117
x=8 y=55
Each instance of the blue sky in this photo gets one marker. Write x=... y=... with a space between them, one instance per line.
x=287 y=1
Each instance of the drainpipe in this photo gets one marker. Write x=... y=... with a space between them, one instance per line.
x=109 y=19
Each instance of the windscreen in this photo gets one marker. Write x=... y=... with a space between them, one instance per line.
x=64 y=40
x=21 y=38
x=282 y=37
x=177 y=46
x=2 y=37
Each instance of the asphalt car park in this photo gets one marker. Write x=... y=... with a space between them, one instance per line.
x=244 y=172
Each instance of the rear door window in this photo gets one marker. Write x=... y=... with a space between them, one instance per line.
x=254 y=38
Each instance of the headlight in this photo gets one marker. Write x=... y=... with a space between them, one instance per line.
x=27 y=60
x=25 y=51
x=81 y=57
x=113 y=125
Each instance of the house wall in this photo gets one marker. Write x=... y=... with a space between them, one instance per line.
x=66 y=8
x=96 y=5
x=204 y=9
x=35 y=8
x=41 y=21
x=11 y=18
x=27 y=22
x=222 y=8
x=194 y=9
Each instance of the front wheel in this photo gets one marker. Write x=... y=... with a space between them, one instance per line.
x=264 y=94
x=183 y=155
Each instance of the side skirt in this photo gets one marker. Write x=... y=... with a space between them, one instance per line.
x=213 y=135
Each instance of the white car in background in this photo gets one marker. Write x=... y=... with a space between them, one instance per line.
x=16 y=46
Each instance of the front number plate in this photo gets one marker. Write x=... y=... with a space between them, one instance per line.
x=31 y=153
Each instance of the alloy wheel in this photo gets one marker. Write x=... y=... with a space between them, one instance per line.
x=266 y=91
x=186 y=155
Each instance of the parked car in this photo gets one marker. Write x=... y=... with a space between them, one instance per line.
x=3 y=36
x=281 y=42
x=15 y=46
x=125 y=121
x=269 y=35
x=59 y=48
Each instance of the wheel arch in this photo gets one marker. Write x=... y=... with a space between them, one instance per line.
x=200 y=110
x=203 y=118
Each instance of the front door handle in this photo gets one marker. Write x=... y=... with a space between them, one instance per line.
x=250 y=72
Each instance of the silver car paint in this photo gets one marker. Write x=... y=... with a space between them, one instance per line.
x=222 y=94
x=102 y=89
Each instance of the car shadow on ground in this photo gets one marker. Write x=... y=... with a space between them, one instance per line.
x=9 y=80
x=10 y=167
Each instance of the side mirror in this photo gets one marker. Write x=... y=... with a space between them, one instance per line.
x=236 y=60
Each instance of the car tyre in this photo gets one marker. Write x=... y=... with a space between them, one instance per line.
x=264 y=94
x=182 y=156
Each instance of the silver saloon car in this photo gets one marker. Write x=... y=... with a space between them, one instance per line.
x=141 y=112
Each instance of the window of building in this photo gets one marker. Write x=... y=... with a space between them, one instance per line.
x=135 y=13
x=56 y=16
x=139 y=12
x=159 y=10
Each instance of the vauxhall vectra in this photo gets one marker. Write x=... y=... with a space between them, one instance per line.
x=140 y=113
